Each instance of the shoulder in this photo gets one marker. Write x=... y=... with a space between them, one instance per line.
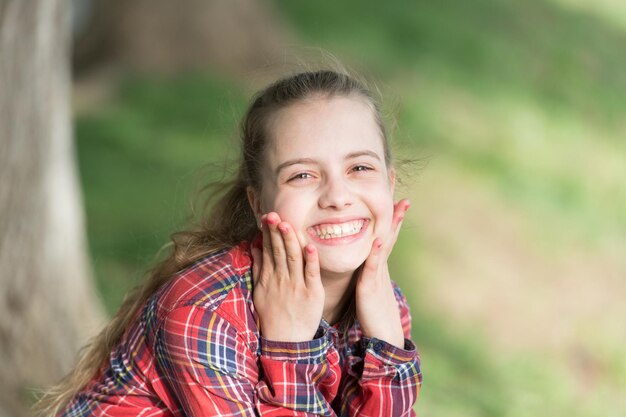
x=204 y=315
x=206 y=283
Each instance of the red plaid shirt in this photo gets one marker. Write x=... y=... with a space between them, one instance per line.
x=195 y=350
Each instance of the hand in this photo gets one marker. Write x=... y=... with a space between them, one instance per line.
x=376 y=305
x=288 y=292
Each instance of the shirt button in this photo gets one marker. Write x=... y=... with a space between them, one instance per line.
x=378 y=346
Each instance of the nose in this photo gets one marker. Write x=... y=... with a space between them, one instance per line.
x=335 y=194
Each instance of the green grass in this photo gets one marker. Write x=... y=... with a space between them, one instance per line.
x=532 y=48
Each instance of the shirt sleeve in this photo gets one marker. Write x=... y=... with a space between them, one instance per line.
x=302 y=376
x=212 y=371
x=383 y=380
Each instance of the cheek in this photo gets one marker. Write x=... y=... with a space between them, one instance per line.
x=384 y=214
x=386 y=219
x=290 y=210
x=294 y=216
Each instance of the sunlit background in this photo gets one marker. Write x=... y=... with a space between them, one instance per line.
x=513 y=256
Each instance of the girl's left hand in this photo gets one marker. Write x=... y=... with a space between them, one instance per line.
x=376 y=305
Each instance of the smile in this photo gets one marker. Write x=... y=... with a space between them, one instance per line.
x=338 y=232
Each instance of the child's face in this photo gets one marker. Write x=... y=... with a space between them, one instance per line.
x=325 y=174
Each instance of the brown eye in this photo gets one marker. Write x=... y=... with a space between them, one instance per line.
x=361 y=168
x=301 y=176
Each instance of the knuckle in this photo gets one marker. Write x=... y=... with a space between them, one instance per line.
x=277 y=252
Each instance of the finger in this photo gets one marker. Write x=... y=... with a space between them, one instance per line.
x=257 y=257
x=268 y=257
x=370 y=268
x=400 y=210
x=311 y=267
x=278 y=245
x=293 y=251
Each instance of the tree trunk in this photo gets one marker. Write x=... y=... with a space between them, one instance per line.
x=48 y=305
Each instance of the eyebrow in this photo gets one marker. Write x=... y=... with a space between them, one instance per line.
x=351 y=155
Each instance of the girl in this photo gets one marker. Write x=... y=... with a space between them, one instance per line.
x=280 y=303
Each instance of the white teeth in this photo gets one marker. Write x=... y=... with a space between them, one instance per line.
x=329 y=231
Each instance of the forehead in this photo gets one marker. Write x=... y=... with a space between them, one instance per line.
x=323 y=127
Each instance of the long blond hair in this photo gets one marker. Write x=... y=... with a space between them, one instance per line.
x=228 y=221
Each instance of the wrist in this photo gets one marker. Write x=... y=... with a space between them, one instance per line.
x=292 y=331
x=393 y=340
x=392 y=336
x=288 y=337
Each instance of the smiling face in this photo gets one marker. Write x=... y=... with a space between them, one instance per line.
x=325 y=174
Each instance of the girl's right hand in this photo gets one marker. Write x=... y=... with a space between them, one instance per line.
x=288 y=292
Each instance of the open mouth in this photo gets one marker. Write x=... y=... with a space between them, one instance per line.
x=328 y=231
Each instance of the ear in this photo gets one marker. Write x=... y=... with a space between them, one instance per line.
x=255 y=203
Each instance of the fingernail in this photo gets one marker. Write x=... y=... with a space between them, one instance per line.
x=309 y=249
x=283 y=227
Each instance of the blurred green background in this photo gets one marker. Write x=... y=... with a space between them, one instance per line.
x=513 y=254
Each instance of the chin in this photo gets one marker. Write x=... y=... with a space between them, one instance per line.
x=338 y=270
x=343 y=259
x=340 y=266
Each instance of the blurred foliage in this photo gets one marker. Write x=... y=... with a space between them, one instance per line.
x=530 y=94
x=143 y=159
x=528 y=97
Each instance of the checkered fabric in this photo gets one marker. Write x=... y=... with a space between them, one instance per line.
x=195 y=350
